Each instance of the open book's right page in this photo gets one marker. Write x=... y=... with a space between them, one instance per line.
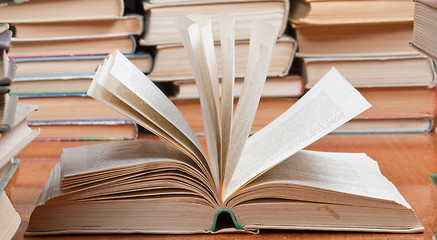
x=346 y=173
x=329 y=104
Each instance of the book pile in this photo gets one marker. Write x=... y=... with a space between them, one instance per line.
x=57 y=45
x=263 y=181
x=14 y=135
x=367 y=41
x=171 y=63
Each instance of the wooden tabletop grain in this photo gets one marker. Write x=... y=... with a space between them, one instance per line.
x=405 y=159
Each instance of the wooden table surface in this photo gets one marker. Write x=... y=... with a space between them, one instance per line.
x=405 y=159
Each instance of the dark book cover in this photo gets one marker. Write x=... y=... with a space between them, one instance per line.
x=5 y=39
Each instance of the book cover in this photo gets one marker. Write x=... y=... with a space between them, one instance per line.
x=5 y=40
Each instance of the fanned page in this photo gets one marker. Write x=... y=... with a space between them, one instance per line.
x=328 y=105
x=120 y=85
x=262 y=41
x=227 y=41
x=197 y=38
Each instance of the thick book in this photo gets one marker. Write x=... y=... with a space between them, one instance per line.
x=357 y=11
x=65 y=106
x=264 y=181
x=54 y=10
x=171 y=63
x=352 y=39
x=374 y=71
x=67 y=117
x=71 y=46
x=161 y=29
x=425 y=29
x=400 y=102
x=80 y=28
x=67 y=67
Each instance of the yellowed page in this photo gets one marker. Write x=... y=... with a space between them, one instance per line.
x=329 y=104
x=199 y=53
x=139 y=98
x=99 y=93
x=262 y=42
x=227 y=39
x=88 y=159
x=352 y=173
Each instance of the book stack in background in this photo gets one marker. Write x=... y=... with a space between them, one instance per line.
x=425 y=28
x=367 y=41
x=172 y=65
x=57 y=45
x=14 y=134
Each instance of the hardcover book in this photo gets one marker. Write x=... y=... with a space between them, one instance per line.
x=67 y=67
x=265 y=181
x=160 y=27
x=171 y=62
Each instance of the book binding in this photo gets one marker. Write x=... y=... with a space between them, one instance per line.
x=224 y=211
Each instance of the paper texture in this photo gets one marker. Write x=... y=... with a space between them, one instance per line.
x=329 y=104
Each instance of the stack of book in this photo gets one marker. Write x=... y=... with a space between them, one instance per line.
x=172 y=64
x=14 y=135
x=367 y=41
x=57 y=45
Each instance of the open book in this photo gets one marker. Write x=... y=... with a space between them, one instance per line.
x=261 y=181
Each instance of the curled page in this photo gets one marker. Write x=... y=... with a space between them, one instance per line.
x=262 y=42
x=122 y=86
x=328 y=105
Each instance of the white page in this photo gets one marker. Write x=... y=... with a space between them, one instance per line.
x=210 y=57
x=262 y=41
x=192 y=39
x=328 y=105
x=227 y=39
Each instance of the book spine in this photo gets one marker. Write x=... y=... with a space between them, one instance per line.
x=224 y=211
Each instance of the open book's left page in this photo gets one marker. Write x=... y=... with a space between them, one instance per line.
x=119 y=84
